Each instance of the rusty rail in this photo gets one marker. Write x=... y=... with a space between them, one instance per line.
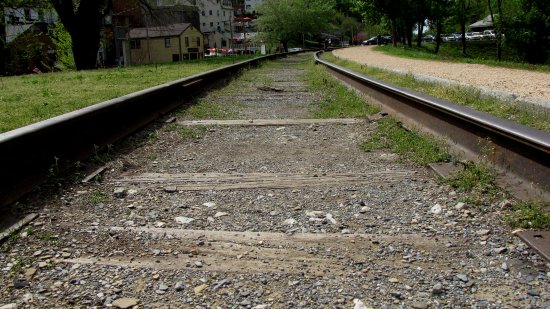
x=522 y=153
x=30 y=154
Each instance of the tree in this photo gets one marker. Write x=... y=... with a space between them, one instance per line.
x=284 y=20
x=528 y=31
x=83 y=20
x=466 y=12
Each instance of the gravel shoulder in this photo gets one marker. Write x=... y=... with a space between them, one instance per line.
x=278 y=216
x=522 y=85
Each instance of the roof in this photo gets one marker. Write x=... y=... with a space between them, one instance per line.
x=158 y=32
x=485 y=22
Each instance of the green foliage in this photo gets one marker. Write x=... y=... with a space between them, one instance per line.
x=205 y=109
x=530 y=214
x=338 y=101
x=284 y=20
x=411 y=145
x=97 y=197
x=477 y=177
x=528 y=30
x=63 y=44
x=193 y=132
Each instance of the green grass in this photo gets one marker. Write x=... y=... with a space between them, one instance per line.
x=411 y=145
x=31 y=98
x=529 y=115
x=477 y=177
x=338 y=101
x=205 y=109
x=529 y=214
x=97 y=197
x=479 y=52
x=193 y=132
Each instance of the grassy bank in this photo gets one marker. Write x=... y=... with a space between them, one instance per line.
x=31 y=98
x=532 y=116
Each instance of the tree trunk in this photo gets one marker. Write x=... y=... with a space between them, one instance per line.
x=84 y=26
x=420 y=32
x=463 y=39
x=493 y=21
x=2 y=45
x=499 y=31
x=439 y=29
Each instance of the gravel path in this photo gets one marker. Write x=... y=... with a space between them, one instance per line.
x=526 y=85
x=288 y=215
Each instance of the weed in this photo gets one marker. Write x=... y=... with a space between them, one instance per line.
x=530 y=214
x=338 y=100
x=477 y=179
x=205 y=109
x=97 y=197
x=193 y=132
x=18 y=264
x=10 y=242
x=411 y=145
x=102 y=156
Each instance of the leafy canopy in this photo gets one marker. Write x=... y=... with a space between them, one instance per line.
x=284 y=20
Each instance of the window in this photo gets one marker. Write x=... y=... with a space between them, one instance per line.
x=211 y=24
x=204 y=24
x=218 y=12
x=210 y=12
x=186 y=41
x=203 y=13
x=223 y=13
x=135 y=44
x=198 y=41
x=167 y=43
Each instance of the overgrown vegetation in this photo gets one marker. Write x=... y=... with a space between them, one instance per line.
x=411 y=145
x=63 y=43
x=193 y=132
x=31 y=98
x=530 y=214
x=529 y=115
x=205 y=109
x=338 y=101
x=478 y=179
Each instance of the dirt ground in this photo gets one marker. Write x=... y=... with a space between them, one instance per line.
x=526 y=85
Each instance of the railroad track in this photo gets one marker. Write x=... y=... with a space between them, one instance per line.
x=269 y=209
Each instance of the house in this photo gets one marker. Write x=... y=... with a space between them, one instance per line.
x=163 y=44
x=484 y=24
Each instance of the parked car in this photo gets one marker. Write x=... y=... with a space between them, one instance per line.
x=375 y=40
x=489 y=35
x=474 y=36
x=428 y=38
x=451 y=37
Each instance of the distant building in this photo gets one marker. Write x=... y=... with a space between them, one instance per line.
x=482 y=25
x=251 y=6
x=18 y=20
x=163 y=44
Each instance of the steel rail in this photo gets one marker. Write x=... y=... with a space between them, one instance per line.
x=521 y=152
x=31 y=154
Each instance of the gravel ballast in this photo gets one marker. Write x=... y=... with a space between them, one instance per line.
x=274 y=216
